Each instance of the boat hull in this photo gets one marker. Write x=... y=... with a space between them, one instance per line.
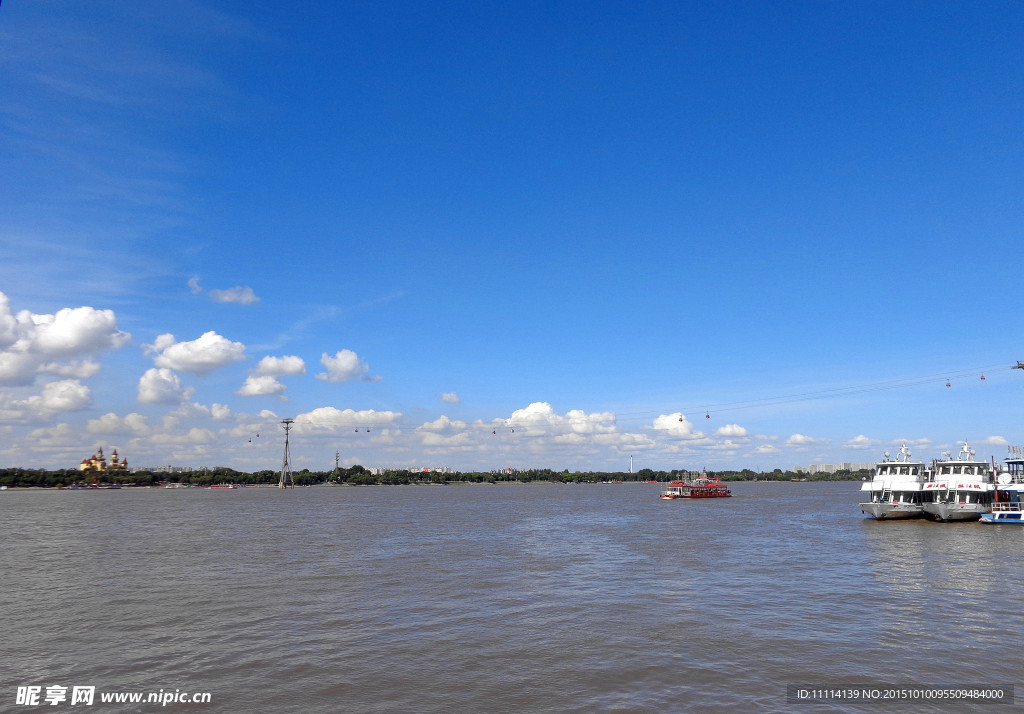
x=955 y=511
x=892 y=511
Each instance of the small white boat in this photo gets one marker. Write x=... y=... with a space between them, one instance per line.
x=1008 y=506
x=1009 y=512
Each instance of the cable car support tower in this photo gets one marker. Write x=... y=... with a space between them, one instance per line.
x=286 y=467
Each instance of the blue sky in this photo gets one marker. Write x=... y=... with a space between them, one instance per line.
x=702 y=234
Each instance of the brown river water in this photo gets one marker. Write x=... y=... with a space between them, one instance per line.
x=511 y=598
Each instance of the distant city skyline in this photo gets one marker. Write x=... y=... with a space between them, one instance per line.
x=531 y=235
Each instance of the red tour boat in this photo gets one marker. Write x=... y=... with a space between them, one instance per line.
x=702 y=486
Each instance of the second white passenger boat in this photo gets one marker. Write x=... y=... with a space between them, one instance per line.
x=961 y=489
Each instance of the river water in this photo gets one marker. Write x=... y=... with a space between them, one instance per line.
x=508 y=598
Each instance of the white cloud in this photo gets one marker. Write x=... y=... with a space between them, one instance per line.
x=332 y=419
x=731 y=430
x=30 y=342
x=57 y=397
x=442 y=423
x=262 y=380
x=220 y=411
x=74 y=369
x=74 y=331
x=258 y=386
x=8 y=323
x=239 y=294
x=540 y=418
x=200 y=356
x=195 y=435
x=677 y=425
x=801 y=440
x=18 y=367
x=450 y=440
x=280 y=366
x=112 y=424
x=450 y=398
x=162 y=386
x=243 y=296
x=345 y=365
x=860 y=442
x=767 y=449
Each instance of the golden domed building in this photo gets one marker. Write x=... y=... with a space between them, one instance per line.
x=98 y=462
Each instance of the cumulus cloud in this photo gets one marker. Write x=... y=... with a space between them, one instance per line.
x=58 y=397
x=801 y=440
x=200 y=356
x=162 y=386
x=731 y=430
x=541 y=418
x=262 y=379
x=442 y=423
x=195 y=435
x=220 y=411
x=860 y=442
x=259 y=386
x=243 y=296
x=113 y=424
x=446 y=440
x=18 y=367
x=8 y=323
x=29 y=342
x=995 y=441
x=676 y=425
x=74 y=331
x=333 y=419
x=74 y=369
x=767 y=449
x=345 y=365
x=280 y=366
x=450 y=398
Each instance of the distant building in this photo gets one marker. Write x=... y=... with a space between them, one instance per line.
x=832 y=468
x=383 y=470
x=98 y=463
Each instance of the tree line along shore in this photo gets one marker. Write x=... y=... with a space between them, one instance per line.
x=361 y=476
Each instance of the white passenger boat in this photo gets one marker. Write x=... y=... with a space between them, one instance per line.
x=897 y=487
x=1008 y=505
x=961 y=489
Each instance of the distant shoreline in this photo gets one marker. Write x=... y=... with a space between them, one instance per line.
x=536 y=482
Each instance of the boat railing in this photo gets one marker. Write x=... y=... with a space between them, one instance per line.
x=1006 y=506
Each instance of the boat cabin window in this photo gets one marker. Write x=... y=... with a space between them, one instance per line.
x=913 y=471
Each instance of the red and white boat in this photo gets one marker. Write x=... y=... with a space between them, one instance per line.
x=701 y=486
